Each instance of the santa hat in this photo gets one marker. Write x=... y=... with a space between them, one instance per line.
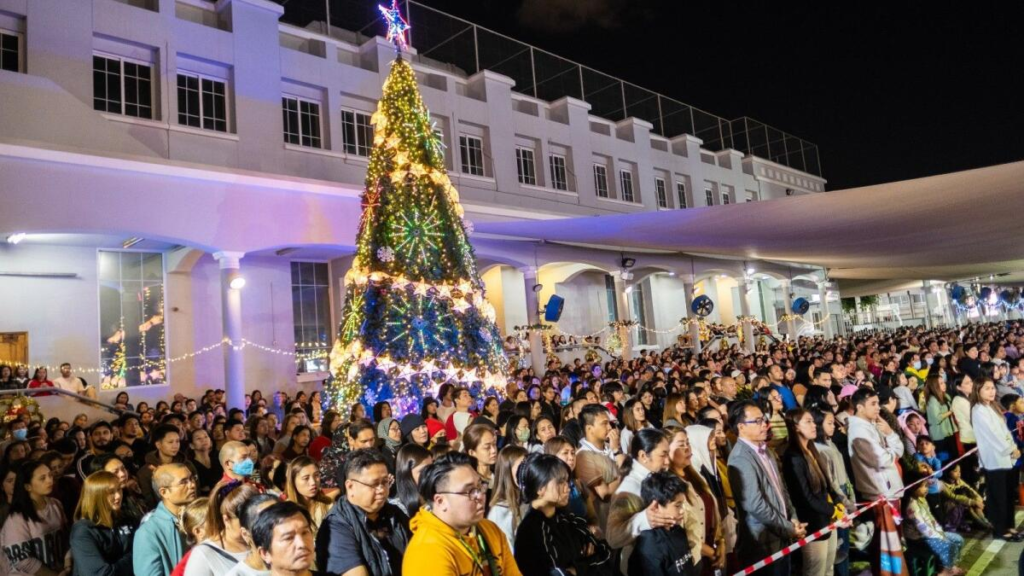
x=433 y=427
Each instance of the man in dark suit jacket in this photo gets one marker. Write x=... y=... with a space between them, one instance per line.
x=767 y=519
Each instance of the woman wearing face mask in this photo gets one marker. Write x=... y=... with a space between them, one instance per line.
x=517 y=431
x=100 y=540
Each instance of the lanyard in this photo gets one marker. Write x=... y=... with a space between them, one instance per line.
x=482 y=543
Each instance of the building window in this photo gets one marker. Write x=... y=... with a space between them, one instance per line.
x=611 y=297
x=311 y=310
x=202 y=102
x=659 y=189
x=601 y=180
x=709 y=197
x=131 y=338
x=626 y=185
x=122 y=86
x=471 y=149
x=725 y=198
x=10 y=51
x=301 y=121
x=558 y=177
x=356 y=132
x=681 y=194
x=526 y=167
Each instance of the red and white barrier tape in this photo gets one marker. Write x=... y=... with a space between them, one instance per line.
x=864 y=507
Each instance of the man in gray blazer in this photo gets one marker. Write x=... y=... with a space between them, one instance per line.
x=767 y=519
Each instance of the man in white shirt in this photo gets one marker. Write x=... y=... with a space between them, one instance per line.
x=71 y=383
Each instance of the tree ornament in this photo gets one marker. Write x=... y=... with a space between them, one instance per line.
x=385 y=254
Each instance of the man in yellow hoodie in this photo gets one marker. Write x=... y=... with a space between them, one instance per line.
x=450 y=535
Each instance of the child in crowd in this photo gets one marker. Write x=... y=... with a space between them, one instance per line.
x=1014 y=406
x=962 y=505
x=921 y=529
x=660 y=552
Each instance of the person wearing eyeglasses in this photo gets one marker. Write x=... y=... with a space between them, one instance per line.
x=451 y=537
x=363 y=534
x=767 y=518
x=158 y=544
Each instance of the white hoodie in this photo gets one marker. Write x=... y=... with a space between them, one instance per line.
x=873 y=458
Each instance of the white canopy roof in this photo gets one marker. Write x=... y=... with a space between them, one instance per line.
x=945 y=227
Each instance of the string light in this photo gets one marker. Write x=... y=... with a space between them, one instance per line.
x=415 y=313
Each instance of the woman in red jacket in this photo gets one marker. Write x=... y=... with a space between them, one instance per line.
x=40 y=380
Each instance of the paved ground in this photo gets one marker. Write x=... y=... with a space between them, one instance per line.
x=992 y=557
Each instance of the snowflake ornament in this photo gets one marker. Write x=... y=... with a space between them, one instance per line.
x=467 y=224
x=385 y=254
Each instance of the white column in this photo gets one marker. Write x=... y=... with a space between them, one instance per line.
x=787 y=298
x=694 y=329
x=537 y=358
x=826 y=320
x=927 y=287
x=622 y=306
x=746 y=325
x=231 y=312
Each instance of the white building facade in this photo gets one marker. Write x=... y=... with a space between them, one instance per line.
x=153 y=151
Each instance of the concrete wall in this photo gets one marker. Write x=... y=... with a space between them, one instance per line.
x=62 y=317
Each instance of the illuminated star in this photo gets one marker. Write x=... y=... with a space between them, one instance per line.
x=396 y=26
x=460 y=305
x=451 y=371
x=384 y=363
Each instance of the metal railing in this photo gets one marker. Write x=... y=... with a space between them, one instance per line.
x=32 y=392
x=464 y=48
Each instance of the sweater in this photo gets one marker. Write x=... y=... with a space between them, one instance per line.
x=158 y=544
x=557 y=543
x=439 y=550
x=30 y=545
x=209 y=559
x=662 y=553
x=101 y=551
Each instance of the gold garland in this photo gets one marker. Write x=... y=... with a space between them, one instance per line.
x=12 y=407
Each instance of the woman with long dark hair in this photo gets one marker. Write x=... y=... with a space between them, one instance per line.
x=550 y=539
x=505 y=506
x=411 y=461
x=810 y=491
x=997 y=453
x=942 y=426
x=35 y=524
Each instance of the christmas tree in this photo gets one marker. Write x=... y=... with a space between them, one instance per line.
x=415 y=313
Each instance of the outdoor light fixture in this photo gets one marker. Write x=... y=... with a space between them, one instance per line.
x=629 y=289
x=537 y=287
x=628 y=262
x=750 y=271
x=131 y=242
x=16 y=237
x=237 y=283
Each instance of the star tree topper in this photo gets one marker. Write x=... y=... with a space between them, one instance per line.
x=396 y=26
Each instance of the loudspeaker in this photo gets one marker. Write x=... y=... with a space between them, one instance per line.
x=553 y=309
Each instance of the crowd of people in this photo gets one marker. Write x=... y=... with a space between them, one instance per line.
x=673 y=462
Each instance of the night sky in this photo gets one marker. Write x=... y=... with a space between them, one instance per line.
x=887 y=93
